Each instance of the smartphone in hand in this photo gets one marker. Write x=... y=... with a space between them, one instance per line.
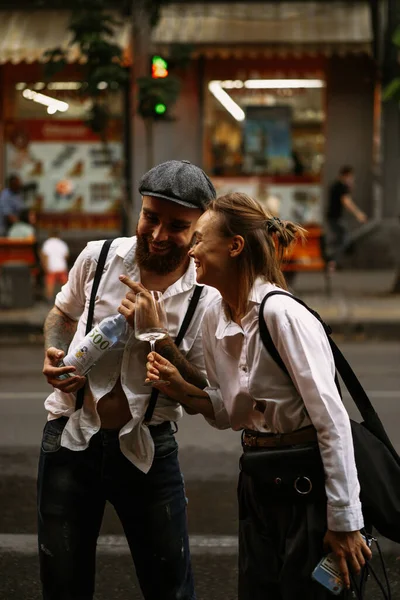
x=327 y=572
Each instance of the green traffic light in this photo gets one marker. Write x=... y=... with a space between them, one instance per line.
x=160 y=108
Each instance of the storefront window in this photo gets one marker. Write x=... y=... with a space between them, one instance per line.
x=272 y=127
x=65 y=167
x=57 y=100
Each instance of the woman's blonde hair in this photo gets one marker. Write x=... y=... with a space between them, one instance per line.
x=266 y=239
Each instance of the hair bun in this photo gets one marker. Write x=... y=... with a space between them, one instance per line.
x=272 y=223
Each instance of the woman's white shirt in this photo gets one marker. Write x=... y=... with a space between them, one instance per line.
x=250 y=391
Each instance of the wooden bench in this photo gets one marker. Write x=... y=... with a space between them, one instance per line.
x=19 y=251
x=308 y=256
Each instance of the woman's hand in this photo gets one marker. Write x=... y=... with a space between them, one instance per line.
x=159 y=367
x=350 y=550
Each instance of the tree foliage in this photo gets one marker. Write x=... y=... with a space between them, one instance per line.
x=392 y=89
x=92 y=30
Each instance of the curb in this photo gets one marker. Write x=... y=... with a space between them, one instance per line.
x=382 y=330
x=357 y=328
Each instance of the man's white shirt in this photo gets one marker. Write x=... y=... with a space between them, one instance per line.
x=128 y=362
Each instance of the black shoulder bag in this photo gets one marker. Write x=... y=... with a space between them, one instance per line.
x=185 y=324
x=378 y=464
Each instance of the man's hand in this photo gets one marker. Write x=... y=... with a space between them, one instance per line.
x=52 y=371
x=127 y=306
x=350 y=550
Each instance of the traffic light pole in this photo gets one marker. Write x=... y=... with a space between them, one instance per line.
x=142 y=133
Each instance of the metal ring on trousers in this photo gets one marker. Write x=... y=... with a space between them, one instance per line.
x=308 y=480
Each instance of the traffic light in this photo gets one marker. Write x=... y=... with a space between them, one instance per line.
x=158 y=92
x=160 y=108
x=159 y=67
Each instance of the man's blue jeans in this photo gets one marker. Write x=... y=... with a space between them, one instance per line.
x=72 y=491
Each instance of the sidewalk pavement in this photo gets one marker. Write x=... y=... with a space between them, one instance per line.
x=360 y=304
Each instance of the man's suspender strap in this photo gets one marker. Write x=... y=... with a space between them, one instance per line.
x=347 y=374
x=185 y=324
x=97 y=276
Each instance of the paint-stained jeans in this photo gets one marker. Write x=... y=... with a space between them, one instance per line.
x=72 y=491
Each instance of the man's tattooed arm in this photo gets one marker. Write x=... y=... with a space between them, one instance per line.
x=168 y=350
x=58 y=330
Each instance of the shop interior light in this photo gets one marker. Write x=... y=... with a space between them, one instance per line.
x=64 y=85
x=45 y=100
x=231 y=85
x=102 y=85
x=230 y=105
x=20 y=85
x=283 y=83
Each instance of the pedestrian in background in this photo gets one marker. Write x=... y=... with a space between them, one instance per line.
x=340 y=201
x=54 y=255
x=24 y=226
x=109 y=450
x=282 y=530
x=11 y=203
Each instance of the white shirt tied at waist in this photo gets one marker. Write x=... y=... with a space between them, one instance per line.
x=241 y=373
x=128 y=363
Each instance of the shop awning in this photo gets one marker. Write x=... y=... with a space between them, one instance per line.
x=26 y=35
x=218 y=29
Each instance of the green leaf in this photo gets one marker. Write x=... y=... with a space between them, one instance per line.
x=396 y=36
x=392 y=90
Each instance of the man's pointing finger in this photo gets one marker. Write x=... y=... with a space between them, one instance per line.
x=133 y=285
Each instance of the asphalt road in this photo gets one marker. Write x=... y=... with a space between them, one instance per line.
x=209 y=463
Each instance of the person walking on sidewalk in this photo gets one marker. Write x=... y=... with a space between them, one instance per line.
x=282 y=529
x=107 y=450
x=340 y=200
x=54 y=255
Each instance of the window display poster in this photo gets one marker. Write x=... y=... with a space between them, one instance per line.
x=267 y=140
x=298 y=202
x=64 y=166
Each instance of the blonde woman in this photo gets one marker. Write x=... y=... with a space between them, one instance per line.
x=282 y=533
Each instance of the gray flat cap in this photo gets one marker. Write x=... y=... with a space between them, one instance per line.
x=179 y=181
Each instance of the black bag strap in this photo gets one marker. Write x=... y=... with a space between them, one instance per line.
x=181 y=333
x=356 y=391
x=95 y=286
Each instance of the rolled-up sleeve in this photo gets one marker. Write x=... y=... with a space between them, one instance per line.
x=222 y=420
x=71 y=299
x=304 y=348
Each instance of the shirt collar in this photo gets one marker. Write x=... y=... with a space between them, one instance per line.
x=184 y=283
x=227 y=327
x=260 y=289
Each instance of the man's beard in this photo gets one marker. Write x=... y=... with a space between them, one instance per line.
x=162 y=264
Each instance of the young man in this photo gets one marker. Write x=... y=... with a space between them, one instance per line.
x=54 y=256
x=106 y=450
x=339 y=201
